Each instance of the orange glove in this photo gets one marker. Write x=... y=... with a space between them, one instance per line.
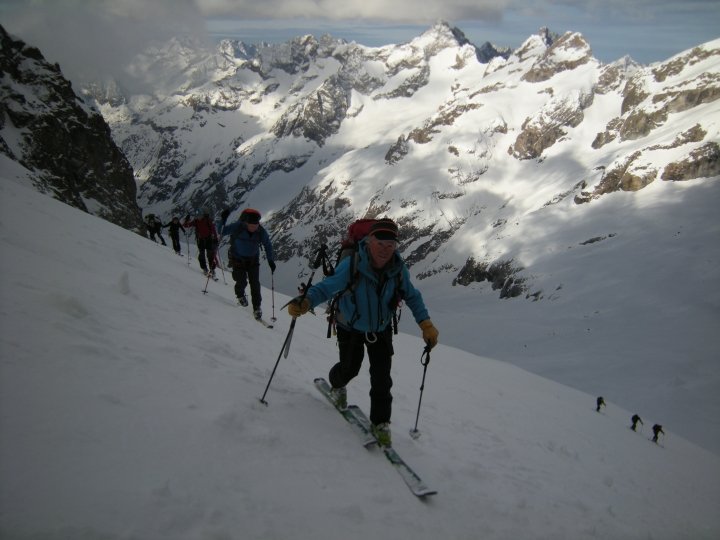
x=430 y=333
x=298 y=307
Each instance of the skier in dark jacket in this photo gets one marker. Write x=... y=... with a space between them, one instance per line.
x=246 y=237
x=207 y=240
x=364 y=318
x=657 y=430
x=175 y=228
x=600 y=403
x=635 y=419
x=154 y=227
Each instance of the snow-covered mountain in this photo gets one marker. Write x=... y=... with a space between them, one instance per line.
x=129 y=411
x=431 y=132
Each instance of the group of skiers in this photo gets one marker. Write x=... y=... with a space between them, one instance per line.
x=635 y=420
x=247 y=236
x=366 y=289
x=155 y=227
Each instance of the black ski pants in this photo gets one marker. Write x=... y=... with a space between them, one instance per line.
x=175 y=237
x=247 y=270
x=380 y=351
x=206 y=253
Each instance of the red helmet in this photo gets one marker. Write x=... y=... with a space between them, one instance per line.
x=250 y=215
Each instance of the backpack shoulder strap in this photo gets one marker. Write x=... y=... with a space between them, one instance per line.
x=354 y=272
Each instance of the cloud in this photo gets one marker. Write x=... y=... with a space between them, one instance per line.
x=401 y=11
x=415 y=12
x=98 y=37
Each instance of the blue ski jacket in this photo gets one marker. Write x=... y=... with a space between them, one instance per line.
x=244 y=244
x=369 y=305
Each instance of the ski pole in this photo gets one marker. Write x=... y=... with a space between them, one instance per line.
x=187 y=239
x=206 y=283
x=316 y=265
x=285 y=348
x=272 y=284
x=219 y=262
x=424 y=360
x=288 y=338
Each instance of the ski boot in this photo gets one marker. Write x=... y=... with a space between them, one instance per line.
x=339 y=397
x=382 y=433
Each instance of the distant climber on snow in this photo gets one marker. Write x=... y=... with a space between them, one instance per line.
x=600 y=403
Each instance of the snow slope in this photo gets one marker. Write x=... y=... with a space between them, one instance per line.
x=129 y=410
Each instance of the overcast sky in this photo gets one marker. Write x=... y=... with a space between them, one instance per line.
x=105 y=33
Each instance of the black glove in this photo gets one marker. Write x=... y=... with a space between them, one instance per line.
x=272 y=266
x=224 y=215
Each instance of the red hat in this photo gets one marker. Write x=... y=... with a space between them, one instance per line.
x=250 y=215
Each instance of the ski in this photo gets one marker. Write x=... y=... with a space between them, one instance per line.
x=365 y=436
x=260 y=320
x=358 y=419
x=413 y=481
x=265 y=323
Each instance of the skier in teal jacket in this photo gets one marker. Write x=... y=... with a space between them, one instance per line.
x=365 y=311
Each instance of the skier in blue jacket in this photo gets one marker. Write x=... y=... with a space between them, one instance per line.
x=364 y=318
x=246 y=237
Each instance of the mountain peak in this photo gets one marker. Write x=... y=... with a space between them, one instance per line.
x=442 y=33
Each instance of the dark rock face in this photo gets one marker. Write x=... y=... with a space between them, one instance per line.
x=66 y=145
x=703 y=162
x=549 y=126
x=502 y=274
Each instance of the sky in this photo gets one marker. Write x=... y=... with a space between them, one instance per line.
x=104 y=34
x=129 y=409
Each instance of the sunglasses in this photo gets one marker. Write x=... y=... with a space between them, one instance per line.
x=385 y=244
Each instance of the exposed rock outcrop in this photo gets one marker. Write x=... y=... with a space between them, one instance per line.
x=65 y=144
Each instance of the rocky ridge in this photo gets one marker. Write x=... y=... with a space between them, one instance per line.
x=65 y=144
